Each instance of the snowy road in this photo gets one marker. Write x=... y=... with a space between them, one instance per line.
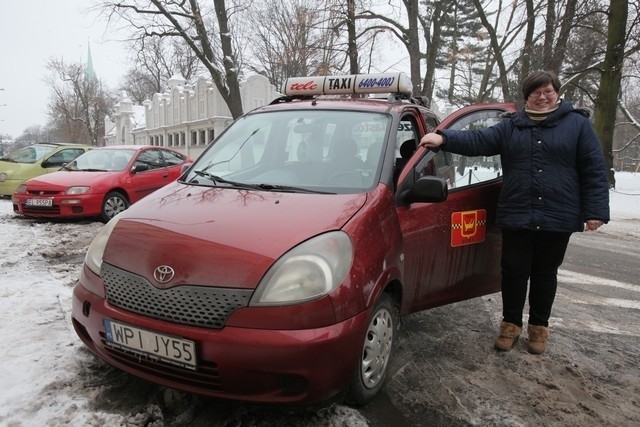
x=444 y=373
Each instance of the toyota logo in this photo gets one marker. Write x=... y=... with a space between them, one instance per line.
x=163 y=274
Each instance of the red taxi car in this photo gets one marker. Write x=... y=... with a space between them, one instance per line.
x=100 y=183
x=275 y=270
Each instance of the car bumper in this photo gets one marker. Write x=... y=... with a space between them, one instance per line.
x=62 y=207
x=256 y=365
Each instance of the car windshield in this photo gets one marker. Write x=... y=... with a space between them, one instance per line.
x=107 y=160
x=29 y=154
x=302 y=150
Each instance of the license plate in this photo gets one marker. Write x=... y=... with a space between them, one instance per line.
x=155 y=346
x=39 y=202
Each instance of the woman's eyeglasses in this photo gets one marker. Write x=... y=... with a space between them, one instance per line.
x=546 y=93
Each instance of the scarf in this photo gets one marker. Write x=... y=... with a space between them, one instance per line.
x=538 y=116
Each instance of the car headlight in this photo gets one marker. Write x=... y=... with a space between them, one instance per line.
x=76 y=190
x=21 y=189
x=93 y=259
x=3 y=177
x=308 y=271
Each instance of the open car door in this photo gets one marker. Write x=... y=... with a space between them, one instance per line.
x=452 y=248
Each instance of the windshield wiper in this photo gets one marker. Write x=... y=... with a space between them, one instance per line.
x=7 y=159
x=89 y=170
x=217 y=179
x=290 y=189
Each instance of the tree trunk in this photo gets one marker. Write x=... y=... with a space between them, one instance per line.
x=413 y=42
x=549 y=33
x=559 y=53
x=607 y=97
x=352 y=49
x=232 y=93
x=527 y=50
x=433 y=49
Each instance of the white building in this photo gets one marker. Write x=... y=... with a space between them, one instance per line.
x=186 y=118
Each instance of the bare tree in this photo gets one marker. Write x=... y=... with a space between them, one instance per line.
x=32 y=135
x=208 y=31
x=156 y=60
x=554 y=53
x=305 y=43
x=407 y=33
x=78 y=103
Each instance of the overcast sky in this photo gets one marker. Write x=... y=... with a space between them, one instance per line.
x=31 y=32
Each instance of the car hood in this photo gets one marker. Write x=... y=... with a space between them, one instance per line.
x=220 y=236
x=64 y=179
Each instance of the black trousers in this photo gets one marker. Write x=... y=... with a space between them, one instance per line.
x=530 y=256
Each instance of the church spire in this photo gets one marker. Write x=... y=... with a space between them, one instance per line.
x=89 y=73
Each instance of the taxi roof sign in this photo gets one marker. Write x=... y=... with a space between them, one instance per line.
x=348 y=84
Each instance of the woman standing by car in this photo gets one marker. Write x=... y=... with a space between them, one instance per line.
x=555 y=183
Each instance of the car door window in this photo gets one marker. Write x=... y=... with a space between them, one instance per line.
x=172 y=159
x=431 y=120
x=406 y=142
x=64 y=156
x=151 y=158
x=462 y=171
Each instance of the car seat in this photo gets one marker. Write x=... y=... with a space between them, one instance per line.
x=406 y=151
x=344 y=155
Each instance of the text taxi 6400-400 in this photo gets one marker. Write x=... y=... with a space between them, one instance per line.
x=276 y=267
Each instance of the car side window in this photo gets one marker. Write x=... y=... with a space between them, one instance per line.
x=462 y=171
x=431 y=120
x=172 y=159
x=407 y=139
x=151 y=158
x=64 y=156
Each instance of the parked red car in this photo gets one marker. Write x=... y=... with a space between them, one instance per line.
x=276 y=268
x=100 y=183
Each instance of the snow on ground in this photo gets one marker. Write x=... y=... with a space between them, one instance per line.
x=49 y=378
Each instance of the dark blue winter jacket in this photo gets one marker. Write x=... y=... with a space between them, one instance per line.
x=555 y=177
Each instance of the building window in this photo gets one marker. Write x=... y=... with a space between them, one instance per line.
x=203 y=137
x=211 y=136
x=194 y=137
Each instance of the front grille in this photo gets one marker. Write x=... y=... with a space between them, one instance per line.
x=36 y=192
x=202 y=306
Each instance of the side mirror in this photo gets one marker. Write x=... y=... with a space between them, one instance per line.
x=428 y=189
x=139 y=167
x=53 y=162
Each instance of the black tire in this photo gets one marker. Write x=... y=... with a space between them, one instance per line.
x=376 y=353
x=113 y=203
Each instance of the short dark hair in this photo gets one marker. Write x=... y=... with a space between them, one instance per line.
x=539 y=78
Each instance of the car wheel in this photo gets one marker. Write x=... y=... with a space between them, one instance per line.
x=376 y=352
x=113 y=204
